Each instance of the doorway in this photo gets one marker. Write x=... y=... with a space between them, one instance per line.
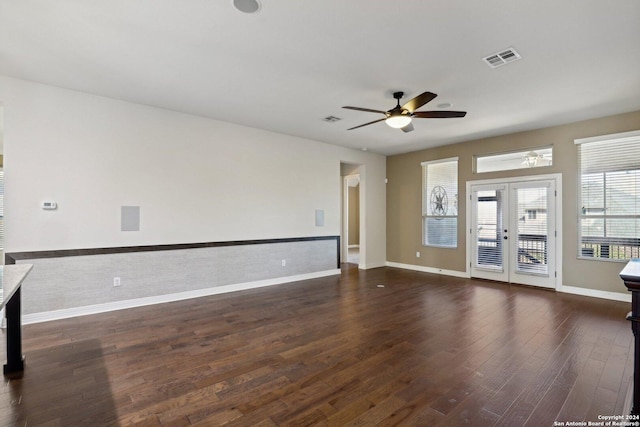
x=351 y=236
x=513 y=233
x=352 y=220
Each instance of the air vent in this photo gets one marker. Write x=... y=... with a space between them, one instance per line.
x=331 y=119
x=501 y=58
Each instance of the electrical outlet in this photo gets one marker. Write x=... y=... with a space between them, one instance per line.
x=116 y=281
x=284 y=262
x=417 y=254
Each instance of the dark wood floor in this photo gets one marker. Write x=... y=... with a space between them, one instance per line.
x=422 y=350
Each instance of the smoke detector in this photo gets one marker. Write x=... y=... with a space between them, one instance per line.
x=247 y=6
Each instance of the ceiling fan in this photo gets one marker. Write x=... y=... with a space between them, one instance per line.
x=399 y=117
x=532 y=159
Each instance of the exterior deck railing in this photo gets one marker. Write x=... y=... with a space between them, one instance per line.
x=606 y=247
x=532 y=249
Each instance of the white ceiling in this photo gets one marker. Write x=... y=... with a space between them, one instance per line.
x=295 y=62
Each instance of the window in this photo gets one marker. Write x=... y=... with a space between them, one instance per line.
x=1 y=209
x=440 y=203
x=609 y=189
x=539 y=157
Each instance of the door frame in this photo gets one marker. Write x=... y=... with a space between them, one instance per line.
x=346 y=181
x=557 y=177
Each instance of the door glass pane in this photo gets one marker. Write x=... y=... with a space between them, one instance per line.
x=490 y=230
x=532 y=230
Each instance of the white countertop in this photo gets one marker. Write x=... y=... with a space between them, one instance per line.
x=11 y=277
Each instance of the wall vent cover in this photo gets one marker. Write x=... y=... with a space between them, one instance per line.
x=502 y=58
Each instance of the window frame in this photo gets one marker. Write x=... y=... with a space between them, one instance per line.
x=425 y=202
x=514 y=160
x=603 y=244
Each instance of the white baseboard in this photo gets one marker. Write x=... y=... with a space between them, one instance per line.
x=370 y=266
x=615 y=296
x=140 y=302
x=462 y=274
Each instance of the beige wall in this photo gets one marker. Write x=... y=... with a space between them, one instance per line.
x=404 y=223
x=354 y=215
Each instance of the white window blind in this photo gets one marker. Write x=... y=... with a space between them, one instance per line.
x=440 y=203
x=532 y=228
x=609 y=189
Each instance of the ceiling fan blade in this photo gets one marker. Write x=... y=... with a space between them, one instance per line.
x=407 y=128
x=367 y=124
x=368 y=110
x=419 y=101
x=439 y=114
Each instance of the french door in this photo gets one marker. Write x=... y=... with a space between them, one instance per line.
x=513 y=232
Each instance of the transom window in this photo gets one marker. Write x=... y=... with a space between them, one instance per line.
x=527 y=159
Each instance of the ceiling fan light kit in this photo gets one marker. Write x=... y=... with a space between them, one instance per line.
x=399 y=117
x=398 y=121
